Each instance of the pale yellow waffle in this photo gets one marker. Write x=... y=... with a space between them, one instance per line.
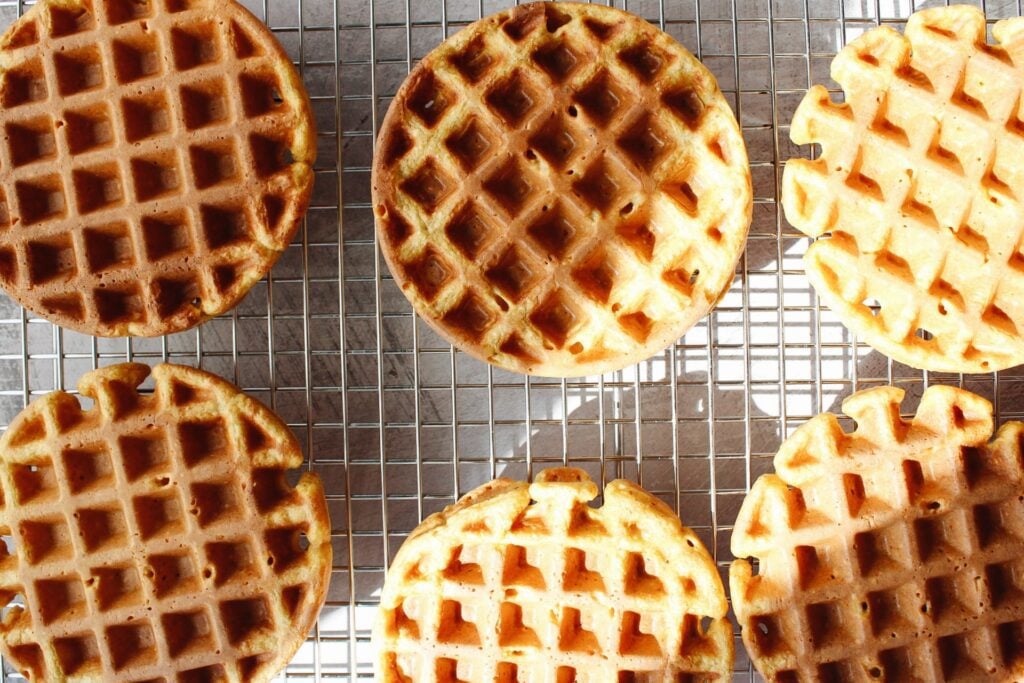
x=918 y=188
x=522 y=583
x=156 y=159
x=561 y=190
x=154 y=535
x=894 y=552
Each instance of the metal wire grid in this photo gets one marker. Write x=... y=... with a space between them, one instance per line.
x=398 y=424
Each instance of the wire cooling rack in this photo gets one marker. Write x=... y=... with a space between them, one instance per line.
x=398 y=424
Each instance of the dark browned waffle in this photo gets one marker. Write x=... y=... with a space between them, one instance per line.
x=157 y=158
x=561 y=189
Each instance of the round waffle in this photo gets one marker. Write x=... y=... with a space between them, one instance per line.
x=918 y=187
x=561 y=190
x=894 y=552
x=154 y=536
x=156 y=159
x=499 y=588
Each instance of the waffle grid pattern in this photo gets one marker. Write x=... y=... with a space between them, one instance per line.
x=562 y=190
x=889 y=553
x=556 y=591
x=156 y=159
x=919 y=187
x=154 y=536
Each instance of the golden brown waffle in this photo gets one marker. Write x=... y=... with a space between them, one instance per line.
x=894 y=552
x=156 y=159
x=500 y=589
x=155 y=537
x=561 y=190
x=918 y=186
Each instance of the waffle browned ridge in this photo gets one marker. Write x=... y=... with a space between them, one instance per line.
x=894 y=552
x=917 y=191
x=155 y=537
x=499 y=588
x=561 y=190
x=156 y=159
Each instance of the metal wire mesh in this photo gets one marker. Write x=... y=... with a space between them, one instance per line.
x=398 y=424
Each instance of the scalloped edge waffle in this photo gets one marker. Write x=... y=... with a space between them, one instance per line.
x=893 y=552
x=156 y=160
x=155 y=536
x=561 y=190
x=917 y=191
x=527 y=582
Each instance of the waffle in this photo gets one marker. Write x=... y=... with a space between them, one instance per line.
x=500 y=589
x=561 y=190
x=156 y=159
x=918 y=186
x=894 y=552
x=154 y=536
